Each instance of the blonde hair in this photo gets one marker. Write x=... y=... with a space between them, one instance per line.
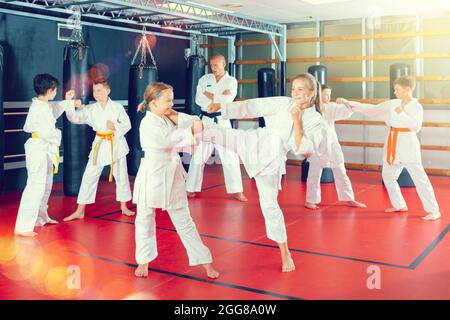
x=405 y=81
x=313 y=85
x=152 y=92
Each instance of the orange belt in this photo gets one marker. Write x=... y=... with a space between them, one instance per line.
x=105 y=136
x=392 y=143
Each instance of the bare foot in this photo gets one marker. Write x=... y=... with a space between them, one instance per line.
x=74 y=216
x=311 y=206
x=432 y=216
x=355 y=203
x=240 y=196
x=389 y=210
x=210 y=271
x=141 y=271
x=190 y=194
x=25 y=234
x=288 y=264
x=128 y=212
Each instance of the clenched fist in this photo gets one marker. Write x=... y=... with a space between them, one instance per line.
x=70 y=94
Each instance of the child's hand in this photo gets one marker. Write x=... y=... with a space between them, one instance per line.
x=77 y=103
x=344 y=102
x=197 y=127
x=173 y=116
x=70 y=94
x=341 y=101
x=214 y=107
x=226 y=92
x=296 y=112
x=110 y=125
x=398 y=110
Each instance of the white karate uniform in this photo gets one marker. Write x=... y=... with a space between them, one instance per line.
x=408 y=150
x=230 y=160
x=41 y=155
x=160 y=183
x=96 y=116
x=263 y=151
x=332 y=112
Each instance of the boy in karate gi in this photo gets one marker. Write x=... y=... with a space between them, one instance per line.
x=41 y=153
x=331 y=113
x=404 y=117
x=109 y=148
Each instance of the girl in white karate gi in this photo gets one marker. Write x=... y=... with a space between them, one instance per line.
x=404 y=117
x=160 y=181
x=331 y=113
x=42 y=154
x=109 y=148
x=263 y=151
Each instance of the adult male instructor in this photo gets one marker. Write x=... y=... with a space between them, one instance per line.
x=215 y=87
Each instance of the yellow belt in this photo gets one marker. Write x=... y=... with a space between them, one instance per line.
x=36 y=135
x=105 y=136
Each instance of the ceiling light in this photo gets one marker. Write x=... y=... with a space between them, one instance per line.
x=232 y=5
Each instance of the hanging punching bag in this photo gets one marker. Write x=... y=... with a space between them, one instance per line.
x=266 y=87
x=76 y=138
x=319 y=72
x=397 y=70
x=196 y=65
x=140 y=77
x=2 y=120
x=266 y=83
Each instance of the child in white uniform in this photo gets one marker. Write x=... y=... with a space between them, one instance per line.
x=277 y=113
x=160 y=181
x=404 y=117
x=42 y=154
x=331 y=113
x=263 y=151
x=109 y=148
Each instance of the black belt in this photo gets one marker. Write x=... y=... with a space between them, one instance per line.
x=213 y=115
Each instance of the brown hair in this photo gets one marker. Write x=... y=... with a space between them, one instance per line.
x=152 y=92
x=103 y=81
x=405 y=81
x=313 y=85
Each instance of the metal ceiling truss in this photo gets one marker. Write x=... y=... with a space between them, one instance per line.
x=178 y=15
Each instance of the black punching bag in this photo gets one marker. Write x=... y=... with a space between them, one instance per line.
x=140 y=78
x=397 y=70
x=195 y=70
x=319 y=72
x=76 y=138
x=266 y=87
x=2 y=120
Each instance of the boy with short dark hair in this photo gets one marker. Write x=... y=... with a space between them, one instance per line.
x=42 y=154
